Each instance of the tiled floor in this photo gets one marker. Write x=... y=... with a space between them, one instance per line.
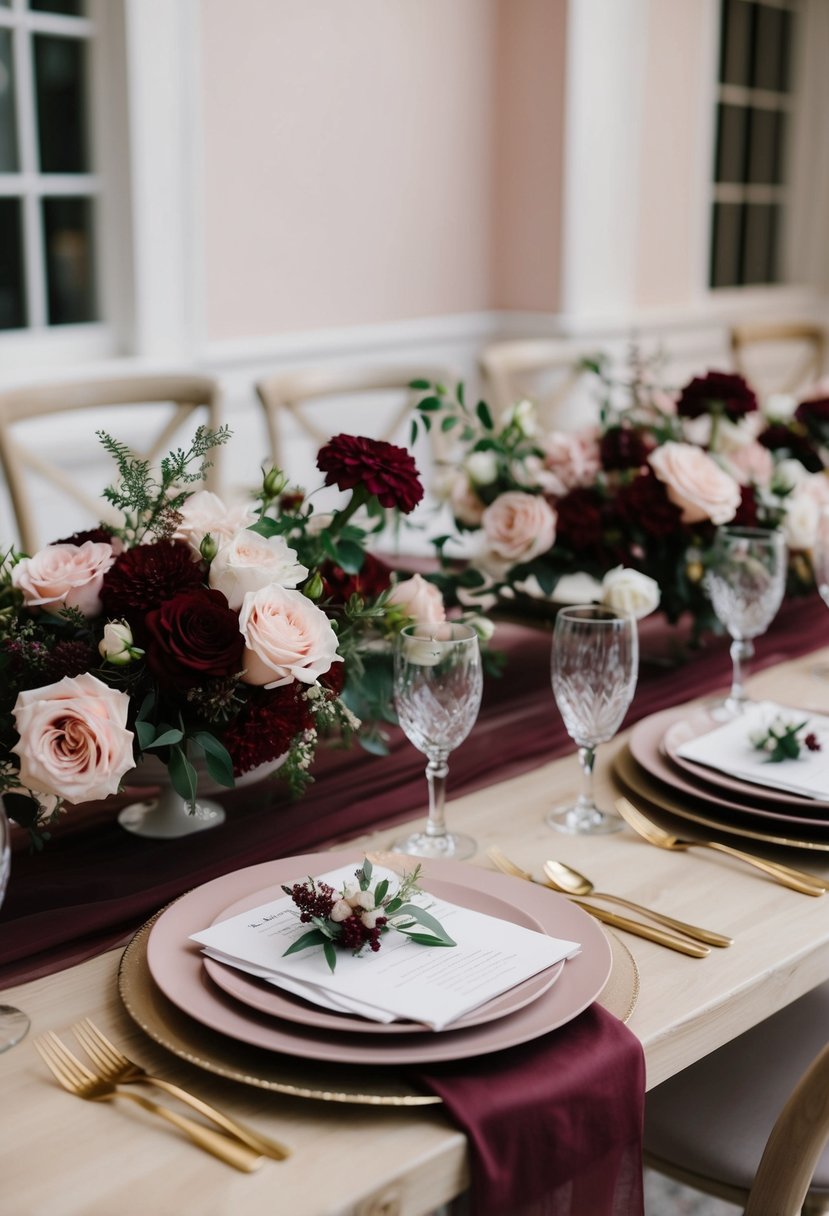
x=664 y=1197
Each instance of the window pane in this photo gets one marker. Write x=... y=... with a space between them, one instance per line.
x=71 y=8
x=731 y=143
x=60 y=83
x=8 y=133
x=735 y=42
x=725 y=245
x=759 y=258
x=764 y=142
x=768 y=28
x=787 y=22
x=70 y=271
x=12 y=293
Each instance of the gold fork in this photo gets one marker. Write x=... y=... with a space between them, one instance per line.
x=75 y=1077
x=114 y=1066
x=650 y=933
x=797 y=880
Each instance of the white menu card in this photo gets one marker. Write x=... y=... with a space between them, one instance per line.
x=434 y=985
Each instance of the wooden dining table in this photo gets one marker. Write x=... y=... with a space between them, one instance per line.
x=59 y=1156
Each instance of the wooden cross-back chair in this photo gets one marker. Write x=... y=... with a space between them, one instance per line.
x=185 y=395
x=779 y=358
x=750 y=1122
x=548 y=371
x=298 y=393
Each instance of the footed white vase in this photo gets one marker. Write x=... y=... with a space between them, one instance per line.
x=168 y=815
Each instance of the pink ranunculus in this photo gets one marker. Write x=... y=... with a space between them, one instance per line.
x=74 y=741
x=65 y=576
x=286 y=638
x=518 y=526
x=249 y=562
x=695 y=483
x=751 y=463
x=573 y=457
x=421 y=600
x=203 y=513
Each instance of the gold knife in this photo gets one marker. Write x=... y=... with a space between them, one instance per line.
x=652 y=934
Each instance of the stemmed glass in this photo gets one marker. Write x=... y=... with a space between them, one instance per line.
x=746 y=582
x=13 y=1022
x=594 y=667
x=437 y=694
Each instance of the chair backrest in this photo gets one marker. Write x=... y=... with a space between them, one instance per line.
x=779 y=358
x=25 y=458
x=546 y=370
x=316 y=403
x=794 y=1147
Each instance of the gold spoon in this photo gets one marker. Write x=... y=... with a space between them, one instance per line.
x=570 y=882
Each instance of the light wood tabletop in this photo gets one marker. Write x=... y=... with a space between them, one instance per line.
x=60 y=1156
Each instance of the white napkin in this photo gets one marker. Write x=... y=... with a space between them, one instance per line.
x=729 y=750
x=434 y=985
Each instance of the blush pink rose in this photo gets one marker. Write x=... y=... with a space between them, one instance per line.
x=751 y=463
x=74 y=743
x=518 y=526
x=286 y=638
x=466 y=506
x=421 y=599
x=695 y=483
x=572 y=457
x=249 y=562
x=203 y=513
x=65 y=576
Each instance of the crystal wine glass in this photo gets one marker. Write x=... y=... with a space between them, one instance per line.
x=746 y=582
x=595 y=665
x=13 y=1022
x=437 y=693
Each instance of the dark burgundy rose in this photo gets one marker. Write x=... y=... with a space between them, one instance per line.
x=814 y=416
x=193 y=637
x=579 y=524
x=624 y=447
x=268 y=724
x=782 y=438
x=717 y=392
x=99 y=536
x=373 y=577
x=644 y=503
x=144 y=577
x=385 y=470
x=746 y=516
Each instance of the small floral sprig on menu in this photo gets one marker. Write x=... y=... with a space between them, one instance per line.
x=783 y=740
x=358 y=916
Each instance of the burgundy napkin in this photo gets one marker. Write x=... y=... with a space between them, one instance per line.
x=554 y=1126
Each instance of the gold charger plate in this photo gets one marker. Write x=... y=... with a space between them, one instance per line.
x=198 y=1045
x=639 y=782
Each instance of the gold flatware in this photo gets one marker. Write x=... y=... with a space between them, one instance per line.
x=564 y=878
x=680 y=944
x=113 y=1066
x=797 y=880
x=75 y=1077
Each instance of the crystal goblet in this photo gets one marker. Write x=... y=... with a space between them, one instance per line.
x=14 y=1023
x=438 y=683
x=594 y=668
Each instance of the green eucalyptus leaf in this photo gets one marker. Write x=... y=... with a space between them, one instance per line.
x=312 y=938
x=330 y=955
x=183 y=775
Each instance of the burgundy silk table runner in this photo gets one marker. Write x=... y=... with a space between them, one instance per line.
x=94 y=883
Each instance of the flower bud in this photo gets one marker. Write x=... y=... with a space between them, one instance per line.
x=116 y=646
x=694 y=571
x=483 y=626
x=274 y=482
x=314 y=588
x=208 y=548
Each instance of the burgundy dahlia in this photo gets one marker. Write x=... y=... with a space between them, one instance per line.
x=387 y=471
x=623 y=447
x=579 y=523
x=193 y=637
x=98 y=536
x=781 y=438
x=267 y=726
x=644 y=504
x=373 y=577
x=144 y=577
x=746 y=516
x=814 y=415
x=717 y=392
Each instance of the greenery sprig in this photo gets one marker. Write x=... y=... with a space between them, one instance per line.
x=783 y=740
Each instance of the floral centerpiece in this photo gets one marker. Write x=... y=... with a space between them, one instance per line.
x=626 y=511
x=199 y=632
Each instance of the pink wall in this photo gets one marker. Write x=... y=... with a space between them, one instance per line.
x=375 y=160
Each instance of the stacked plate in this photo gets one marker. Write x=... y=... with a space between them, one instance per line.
x=232 y=1023
x=652 y=768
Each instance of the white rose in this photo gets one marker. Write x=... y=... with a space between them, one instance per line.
x=116 y=646
x=204 y=513
x=630 y=591
x=420 y=599
x=249 y=562
x=522 y=416
x=482 y=468
x=286 y=638
x=788 y=475
x=801 y=519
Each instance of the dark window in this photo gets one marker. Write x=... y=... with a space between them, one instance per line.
x=12 y=291
x=67 y=232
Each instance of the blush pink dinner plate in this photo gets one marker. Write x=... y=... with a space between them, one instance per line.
x=176 y=965
x=645 y=745
x=261 y=995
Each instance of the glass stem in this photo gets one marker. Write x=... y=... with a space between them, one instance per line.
x=437 y=770
x=741 y=652
x=587 y=759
